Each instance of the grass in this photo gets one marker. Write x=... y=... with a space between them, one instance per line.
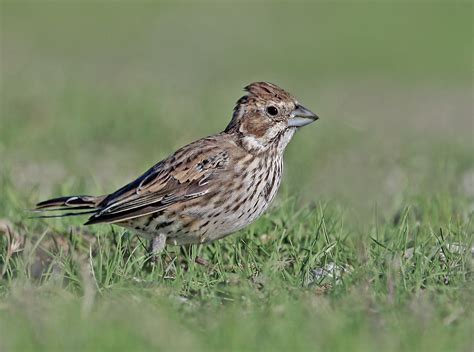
x=300 y=278
x=369 y=243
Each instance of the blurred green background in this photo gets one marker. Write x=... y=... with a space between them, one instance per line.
x=92 y=94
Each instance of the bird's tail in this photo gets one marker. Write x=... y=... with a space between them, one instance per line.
x=69 y=206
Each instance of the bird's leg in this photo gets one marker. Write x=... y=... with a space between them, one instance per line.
x=157 y=244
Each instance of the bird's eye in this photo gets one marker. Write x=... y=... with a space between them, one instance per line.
x=271 y=110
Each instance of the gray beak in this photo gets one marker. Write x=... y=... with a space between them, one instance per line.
x=302 y=117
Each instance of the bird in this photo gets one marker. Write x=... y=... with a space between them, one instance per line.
x=209 y=188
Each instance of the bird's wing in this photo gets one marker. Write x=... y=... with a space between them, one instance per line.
x=186 y=175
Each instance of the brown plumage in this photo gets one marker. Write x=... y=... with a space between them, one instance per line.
x=211 y=187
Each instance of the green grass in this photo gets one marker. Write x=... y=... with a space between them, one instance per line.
x=368 y=246
x=405 y=284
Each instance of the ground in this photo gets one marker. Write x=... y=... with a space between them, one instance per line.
x=369 y=244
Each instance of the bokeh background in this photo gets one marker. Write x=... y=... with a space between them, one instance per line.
x=92 y=94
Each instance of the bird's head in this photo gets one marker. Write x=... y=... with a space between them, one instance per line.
x=267 y=116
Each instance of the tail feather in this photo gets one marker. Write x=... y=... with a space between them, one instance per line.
x=71 y=203
x=41 y=210
x=64 y=215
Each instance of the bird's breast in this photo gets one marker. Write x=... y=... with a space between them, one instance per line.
x=252 y=191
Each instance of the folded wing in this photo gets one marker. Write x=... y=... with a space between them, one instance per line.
x=190 y=173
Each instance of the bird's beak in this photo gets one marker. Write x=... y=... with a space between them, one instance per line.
x=301 y=117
